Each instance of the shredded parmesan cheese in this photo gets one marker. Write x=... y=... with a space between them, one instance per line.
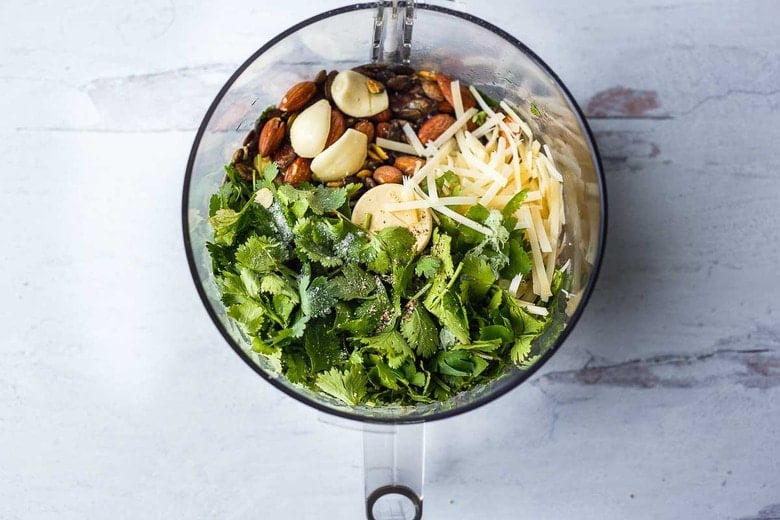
x=493 y=163
x=395 y=146
x=414 y=140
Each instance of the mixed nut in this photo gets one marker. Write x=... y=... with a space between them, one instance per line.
x=325 y=130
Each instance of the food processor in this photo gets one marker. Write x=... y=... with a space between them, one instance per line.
x=427 y=37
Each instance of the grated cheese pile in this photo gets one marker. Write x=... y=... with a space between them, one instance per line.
x=493 y=163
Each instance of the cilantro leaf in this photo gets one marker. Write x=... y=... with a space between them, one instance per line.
x=520 y=261
x=392 y=344
x=418 y=329
x=384 y=375
x=322 y=345
x=493 y=332
x=319 y=297
x=324 y=199
x=514 y=204
x=249 y=315
x=427 y=266
x=295 y=368
x=348 y=386
x=331 y=242
x=521 y=350
x=372 y=315
x=458 y=363
x=441 y=249
x=354 y=283
x=476 y=278
x=398 y=242
x=260 y=253
x=447 y=307
x=229 y=196
x=226 y=224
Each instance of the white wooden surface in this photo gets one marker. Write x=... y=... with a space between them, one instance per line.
x=118 y=398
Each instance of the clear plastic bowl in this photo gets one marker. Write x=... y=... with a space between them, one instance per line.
x=464 y=47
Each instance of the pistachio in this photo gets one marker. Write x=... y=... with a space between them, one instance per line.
x=374 y=86
x=351 y=94
x=342 y=158
x=309 y=130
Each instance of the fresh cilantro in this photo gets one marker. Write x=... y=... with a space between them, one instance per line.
x=260 y=253
x=354 y=283
x=318 y=298
x=476 y=278
x=520 y=261
x=419 y=330
x=348 y=386
x=392 y=345
x=226 y=222
x=535 y=110
x=322 y=345
x=384 y=375
x=479 y=118
x=362 y=316
x=427 y=266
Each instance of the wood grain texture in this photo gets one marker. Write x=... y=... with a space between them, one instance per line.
x=119 y=399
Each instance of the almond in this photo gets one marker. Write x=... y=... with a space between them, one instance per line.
x=383 y=130
x=271 y=136
x=297 y=97
x=408 y=163
x=383 y=116
x=337 y=127
x=431 y=129
x=366 y=127
x=445 y=82
x=298 y=172
x=388 y=174
x=444 y=106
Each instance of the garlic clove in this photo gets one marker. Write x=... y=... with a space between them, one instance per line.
x=309 y=130
x=352 y=96
x=342 y=158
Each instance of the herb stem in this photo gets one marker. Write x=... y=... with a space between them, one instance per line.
x=455 y=276
x=422 y=291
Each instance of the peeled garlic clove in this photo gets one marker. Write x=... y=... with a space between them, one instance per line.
x=378 y=202
x=351 y=94
x=342 y=158
x=309 y=130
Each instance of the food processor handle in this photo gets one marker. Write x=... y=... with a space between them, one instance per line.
x=394 y=464
x=393 y=44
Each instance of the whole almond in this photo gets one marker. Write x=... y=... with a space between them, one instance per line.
x=297 y=97
x=337 y=127
x=284 y=156
x=445 y=82
x=298 y=172
x=271 y=136
x=367 y=127
x=431 y=129
x=408 y=163
x=388 y=174
x=383 y=116
x=383 y=130
x=444 y=106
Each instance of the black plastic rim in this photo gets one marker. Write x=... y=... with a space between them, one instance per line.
x=394 y=490
x=479 y=401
